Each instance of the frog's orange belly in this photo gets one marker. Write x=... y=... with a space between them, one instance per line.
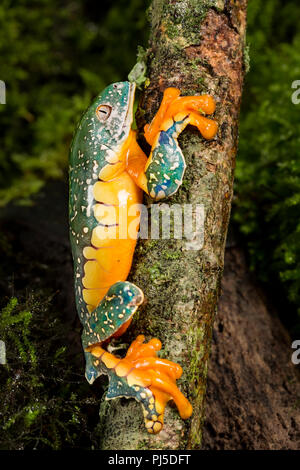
x=109 y=255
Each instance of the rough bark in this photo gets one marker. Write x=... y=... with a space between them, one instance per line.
x=197 y=46
x=253 y=387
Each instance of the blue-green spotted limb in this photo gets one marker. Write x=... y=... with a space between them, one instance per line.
x=141 y=374
x=108 y=172
x=162 y=173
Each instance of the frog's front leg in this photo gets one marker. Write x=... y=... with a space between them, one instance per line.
x=161 y=175
x=141 y=374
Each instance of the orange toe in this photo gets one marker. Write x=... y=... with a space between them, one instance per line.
x=146 y=377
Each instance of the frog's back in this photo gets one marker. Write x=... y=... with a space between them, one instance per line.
x=95 y=156
x=96 y=149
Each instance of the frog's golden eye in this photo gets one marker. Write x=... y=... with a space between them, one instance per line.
x=103 y=112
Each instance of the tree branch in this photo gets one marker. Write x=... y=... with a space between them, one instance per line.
x=196 y=46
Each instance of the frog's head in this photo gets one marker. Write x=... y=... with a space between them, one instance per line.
x=112 y=112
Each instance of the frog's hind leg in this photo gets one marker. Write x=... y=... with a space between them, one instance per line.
x=163 y=375
x=147 y=378
x=112 y=316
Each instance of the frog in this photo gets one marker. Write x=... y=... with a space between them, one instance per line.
x=109 y=172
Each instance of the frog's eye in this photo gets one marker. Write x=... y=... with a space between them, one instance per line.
x=103 y=112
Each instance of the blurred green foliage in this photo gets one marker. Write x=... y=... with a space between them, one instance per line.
x=55 y=56
x=267 y=201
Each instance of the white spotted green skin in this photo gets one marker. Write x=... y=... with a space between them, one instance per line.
x=118 y=387
x=94 y=147
x=167 y=164
x=116 y=308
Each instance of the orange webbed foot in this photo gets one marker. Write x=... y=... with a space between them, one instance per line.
x=147 y=378
x=163 y=375
x=173 y=107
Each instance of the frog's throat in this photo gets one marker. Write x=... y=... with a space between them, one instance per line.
x=109 y=172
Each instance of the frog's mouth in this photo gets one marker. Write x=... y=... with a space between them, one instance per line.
x=129 y=112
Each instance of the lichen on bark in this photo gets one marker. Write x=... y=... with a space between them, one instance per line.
x=196 y=46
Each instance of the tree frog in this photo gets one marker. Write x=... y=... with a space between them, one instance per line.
x=108 y=174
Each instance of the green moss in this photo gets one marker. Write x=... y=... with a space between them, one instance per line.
x=178 y=26
x=172 y=255
x=43 y=397
x=246 y=57
x=139 y=72
x=49 y=84
x=198 y=349
x=8 y=320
